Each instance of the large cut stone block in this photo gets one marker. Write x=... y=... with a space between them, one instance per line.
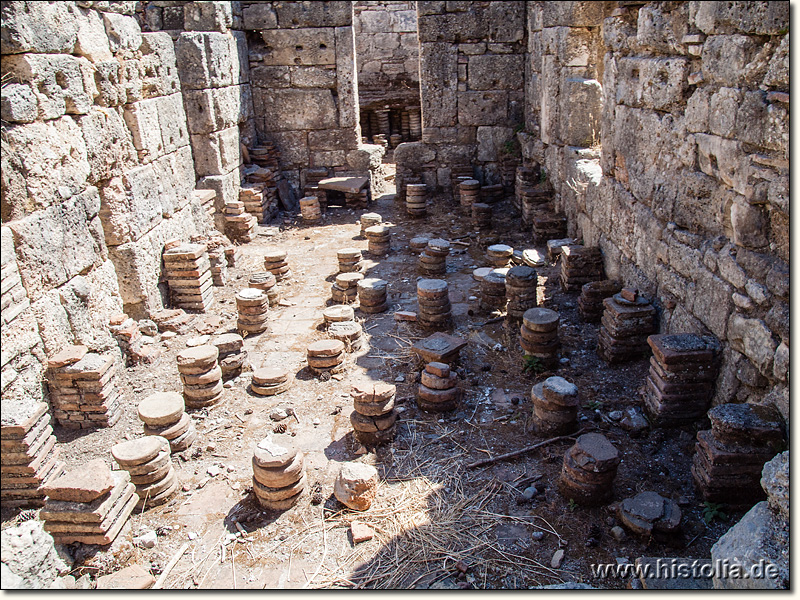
x=314 y=14
x=580 y=117
x=299 y=47
x=205 y=60
x=492 y=142
x=452 y=27
x=346 y=78
x=226 y=187
x=572 y=14
x=61 y=83
x=663 y=30
x=55 y=244
x=496 y=72
x=213 y=109
x=332 y=139
x=140 y=118
x=124 y=33
x=217 y=153
x=46 y=160
x=733 y=59
x=258 y=16
x=286 y=110
x=176 y=178
x=241 y=58
x=172 y=122
x=49 y=27
x=292 y=146
x=482 y=108
x=108 y=143
x=723 y=159
x=19 y=104
x=207 y=16
x=760 y=18
x=131 y=205
x=159 y=65
x=272 y=77
x=92 y=40
x=439 y=83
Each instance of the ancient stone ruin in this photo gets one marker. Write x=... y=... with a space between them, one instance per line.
x=394 y=294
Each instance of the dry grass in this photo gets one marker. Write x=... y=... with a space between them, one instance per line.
x=425 y=523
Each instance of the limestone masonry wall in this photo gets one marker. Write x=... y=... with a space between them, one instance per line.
x=472 y=65
x=664 y=129
x=387 y=50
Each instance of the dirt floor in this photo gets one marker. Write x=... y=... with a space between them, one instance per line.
x=437 y=522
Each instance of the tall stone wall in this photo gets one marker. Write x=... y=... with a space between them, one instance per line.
x=472 y=64
x=97 y=172
x=214 y=72
x=305 y=90
x=686 y=187
x=387 y=51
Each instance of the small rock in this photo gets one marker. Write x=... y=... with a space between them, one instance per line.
x=230 y=469
x=360 y=450
x=615 y=415
x=316 y=421
x=530 y=492
x=227 y=385
x=210 y=447
x=146 y=540
x=213 y=471
x=356 y=485
x=557 y=559
x=148 y=327
x=618 y=533
x=400 y=379
x=186 y=487
x=564 y=360
x=197 y=341
x=168 y=335
x=278 y=414
x=537 y=536
x=192 y=535
x=361 y=532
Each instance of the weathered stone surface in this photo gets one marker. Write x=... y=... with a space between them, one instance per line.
x=19 y=104
x=205 y=60
x=496 y=72
x=217 y=153
x=38 y=27
x=356 y=485
x=108 y=144
x=314 y=14
x=289 y=109
x=439 y=82
x=133 y=577
x=759 y=537
x=492 y=141
x=752 y=338
x=124 y=33
x=258 y=16
x=30 y=560
x=83 y=484
x=207 y=16
x=775 y=481
x=482 y=108
x=299 y=47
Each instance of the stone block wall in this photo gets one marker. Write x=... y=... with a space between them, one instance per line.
x=97 y=172
x=305 y=90
x=684 y=184
x=387 y=50
x=472 y=65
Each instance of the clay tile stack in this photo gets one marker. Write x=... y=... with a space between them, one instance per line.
x=201 y=376
x=433 y=260
x=163 y=415
x=492 y=193
x=369 y=220
x=470 y=194
x=417 y=199
x=219 y=266
x=252 y=306
x=374 y=419
x=680 y=382
x=481 y=216
x=269 y=381
x=255 y=200
x=350 y=260
x=188 y=274
x=326 y=358
x=555 y=406
x=372 y=295
x=267 y=283
x=29 y=457
x=173 y=320
x=548 y=225
x=240 y=226
x=493 y=290
x=338 y=313
x=379 y=240
x=344 y=290
x=729 y=458
x=148 y=461
x=590 y=303
x=434 y=303
x=579 y=265
x=89 y=504
x=587 y=475
x=83 y=388
x=349 y=333
x=627 y=321
x=499 y=255
x=556 y=247
x=231 y=356
x=531 y=193
x=417 y=244
x=275 y=262
x=310 y=209
x=438 y=390
x=539 y=335
x=521 y=282
x=279 y=475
